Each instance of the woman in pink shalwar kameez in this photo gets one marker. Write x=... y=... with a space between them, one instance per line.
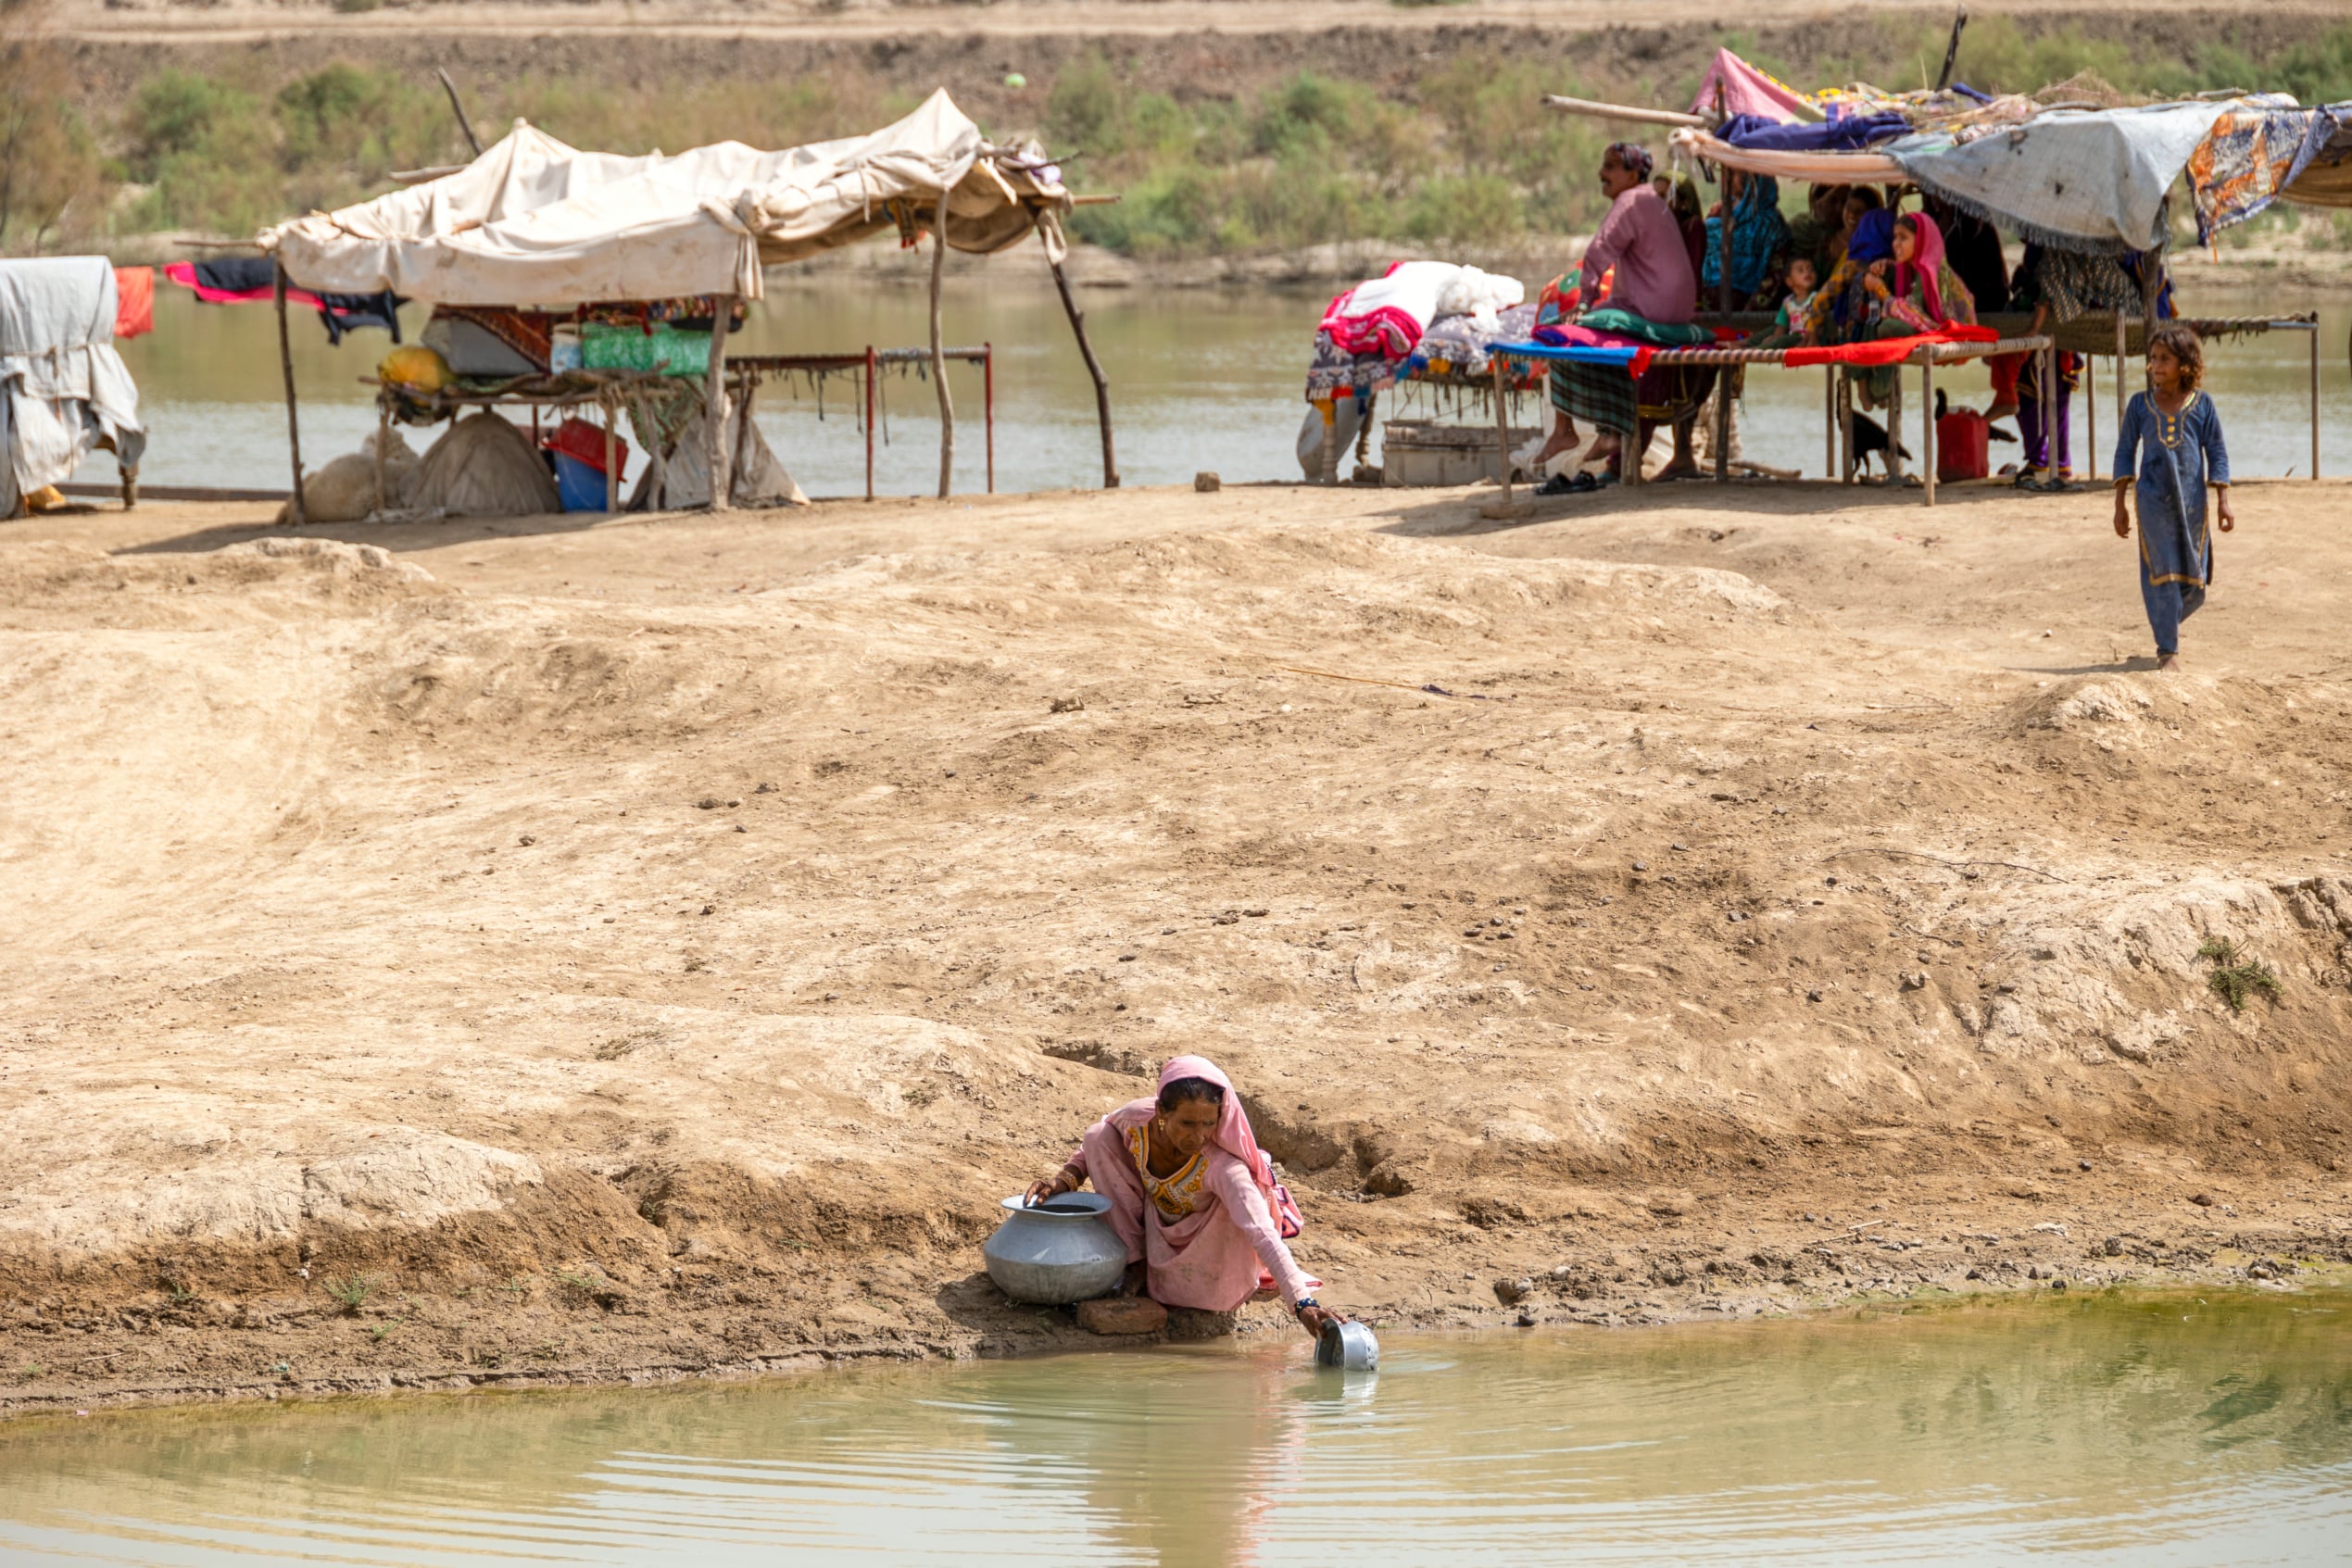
x=1194 y=1198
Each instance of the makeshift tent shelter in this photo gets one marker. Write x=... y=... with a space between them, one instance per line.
x=2086 y=180
x=2070 y=178
x=64 y=391
x=534 y=223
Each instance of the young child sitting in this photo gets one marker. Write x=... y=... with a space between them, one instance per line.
x=2171 y=450
x=1799 y=299
x=1788 y=327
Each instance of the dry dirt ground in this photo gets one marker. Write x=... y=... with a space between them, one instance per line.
x=464 y=953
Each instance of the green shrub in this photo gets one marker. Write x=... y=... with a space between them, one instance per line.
x=2235 y=977
x=1089 y=111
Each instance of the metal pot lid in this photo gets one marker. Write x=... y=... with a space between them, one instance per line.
x=1069 y=1206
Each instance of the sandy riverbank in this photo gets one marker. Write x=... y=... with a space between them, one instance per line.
x=449 y=955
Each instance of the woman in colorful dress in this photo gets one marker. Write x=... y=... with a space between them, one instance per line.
x=2170 y=451
x=1194 y=1198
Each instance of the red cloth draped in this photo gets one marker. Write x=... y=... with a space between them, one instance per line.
x=1886 y=350
x=134 y=301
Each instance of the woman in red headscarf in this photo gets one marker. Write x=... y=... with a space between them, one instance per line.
x=1926 y=294
x=1193 y=1197
x=1919 y=292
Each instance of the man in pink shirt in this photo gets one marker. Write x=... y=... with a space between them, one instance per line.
x=1639 y=247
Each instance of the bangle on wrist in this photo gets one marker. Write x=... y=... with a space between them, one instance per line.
x=1303 y=1303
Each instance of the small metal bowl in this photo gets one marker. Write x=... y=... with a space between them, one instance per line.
x=1349 y=1346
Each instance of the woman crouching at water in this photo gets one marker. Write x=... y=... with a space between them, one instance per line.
x=1194 y=1198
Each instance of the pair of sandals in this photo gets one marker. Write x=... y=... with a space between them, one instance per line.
x=2046 y=484
x=1577 y=484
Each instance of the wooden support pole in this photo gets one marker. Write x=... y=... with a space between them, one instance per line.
x=714 y=400
x=383 y=439
x=1723 y=303
x=1094 y=368
x=2315 y=400
x=611 y=454
x=2048 y=356
x=2122 y=343
x=295 y=513
x=1830 y=422
x=869 y=422
x=1894 y=412
x=740 y=459
x=988 y=407
x=459 y=110
x=1952 y=50
x=1927 y=422
x=2091 y=415
x=1501 y=425
x=1845 y=427
x=938 y=360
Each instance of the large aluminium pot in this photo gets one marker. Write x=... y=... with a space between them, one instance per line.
x=1058 y=1252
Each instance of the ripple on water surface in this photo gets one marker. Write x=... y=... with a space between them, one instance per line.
x=2163 y=1430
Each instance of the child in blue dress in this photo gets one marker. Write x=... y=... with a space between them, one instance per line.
x=2170 y=451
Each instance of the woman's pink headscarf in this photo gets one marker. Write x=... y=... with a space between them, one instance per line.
x=1927 y=260
x=1232 y=1135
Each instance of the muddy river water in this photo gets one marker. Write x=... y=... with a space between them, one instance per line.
x=1202 y=379
x=2122 y=1430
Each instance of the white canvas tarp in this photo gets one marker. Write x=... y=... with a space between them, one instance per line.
x=533 y=222
x=62 y=386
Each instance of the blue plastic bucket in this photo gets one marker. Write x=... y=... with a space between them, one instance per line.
x=580 y=485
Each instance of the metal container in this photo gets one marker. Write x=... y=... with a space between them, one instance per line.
x=1058 y=1252
x=1349 y=1346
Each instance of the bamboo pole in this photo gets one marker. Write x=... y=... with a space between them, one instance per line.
x=938 y=359
x=1094 y=368
x=715 y=401
x=2315 y=400
x=1598 y=110
x=296 y=511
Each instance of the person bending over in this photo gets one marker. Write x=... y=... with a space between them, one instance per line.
x=1193 y=1197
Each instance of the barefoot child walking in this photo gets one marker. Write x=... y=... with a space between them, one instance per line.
x=2170 y=451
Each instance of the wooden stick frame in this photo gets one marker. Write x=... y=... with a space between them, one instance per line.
x=938 y=358
x=296 y=513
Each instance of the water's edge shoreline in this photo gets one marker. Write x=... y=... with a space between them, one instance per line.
x=1815 y=1280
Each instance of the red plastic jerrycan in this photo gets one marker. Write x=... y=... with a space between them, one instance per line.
x=1961 y=440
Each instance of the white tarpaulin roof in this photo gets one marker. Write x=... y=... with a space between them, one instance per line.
x=58 y=364
x=533 y=222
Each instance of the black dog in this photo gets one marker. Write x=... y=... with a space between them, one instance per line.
x=1869 y=439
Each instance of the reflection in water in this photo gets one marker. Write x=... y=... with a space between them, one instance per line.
x=2156 y=1431
x=1201 y=379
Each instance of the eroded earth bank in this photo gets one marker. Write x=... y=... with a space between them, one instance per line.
x=441 y=957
